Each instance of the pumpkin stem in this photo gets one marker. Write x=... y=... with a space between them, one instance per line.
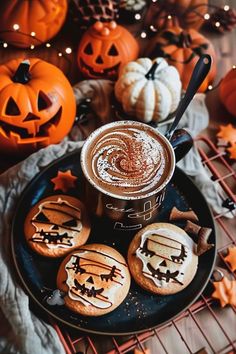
x=22 y=75
x=150 y=74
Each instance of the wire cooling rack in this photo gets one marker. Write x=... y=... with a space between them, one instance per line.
x=205 y=327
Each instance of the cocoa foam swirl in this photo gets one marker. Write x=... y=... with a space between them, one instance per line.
x=128 y=161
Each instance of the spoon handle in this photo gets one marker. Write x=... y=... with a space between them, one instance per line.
x=199 y=74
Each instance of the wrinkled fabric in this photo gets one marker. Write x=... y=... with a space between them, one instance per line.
x=99 y=92
x=28 y=334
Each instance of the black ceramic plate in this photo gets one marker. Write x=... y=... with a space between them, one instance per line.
x=140 y=310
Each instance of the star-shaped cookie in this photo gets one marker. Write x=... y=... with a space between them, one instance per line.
x=231 y=258
x=64 y=181
x=225 y=292
x=232 y=151
x=227 y=133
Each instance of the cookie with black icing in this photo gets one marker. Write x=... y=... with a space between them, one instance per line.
x=95 y=278
x=162 y=258
x=56 y=225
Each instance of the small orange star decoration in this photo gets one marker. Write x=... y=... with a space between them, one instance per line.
x=64 y=181
x=227 y=133
x=225 y=292
x=231 y=258
x=232 y=151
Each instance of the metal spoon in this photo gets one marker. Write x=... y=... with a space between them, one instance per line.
x=199 y=74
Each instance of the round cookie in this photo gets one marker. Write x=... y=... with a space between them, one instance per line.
x=161 y=258
x=95 y=278
x=56 y=225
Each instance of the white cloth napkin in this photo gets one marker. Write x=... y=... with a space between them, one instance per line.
x=28 y=334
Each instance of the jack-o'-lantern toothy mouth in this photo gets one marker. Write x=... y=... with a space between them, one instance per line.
x=23 y=133
x=167 y=276
x=107 y=71
x=53 y=237
x=83 y=290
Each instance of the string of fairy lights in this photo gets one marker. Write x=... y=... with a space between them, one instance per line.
x=61 y=53
x=65 y=53
x=16 y=28
x=206 y=16
x=137 y=16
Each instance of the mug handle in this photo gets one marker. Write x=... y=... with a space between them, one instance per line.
x=181 y=142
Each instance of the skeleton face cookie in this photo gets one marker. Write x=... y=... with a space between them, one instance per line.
x=162 y=258
x=56 y=225
x=95 y=279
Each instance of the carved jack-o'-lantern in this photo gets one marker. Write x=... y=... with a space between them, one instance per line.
x=37 y=105
x=95 y=278
x=56 y=225
x=182 y=49
x=28 y=22
x=104 y=48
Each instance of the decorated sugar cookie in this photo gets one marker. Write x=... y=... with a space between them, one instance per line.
x=95 y=279
x=56 y=225
x=162 y=258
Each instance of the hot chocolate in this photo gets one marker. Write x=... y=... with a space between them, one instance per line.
x=127 y=160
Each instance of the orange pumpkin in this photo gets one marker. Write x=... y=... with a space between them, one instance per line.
x=38 y=20
x=228 y=91
x=182 y=48
x=37 y=105
x=188 y=13
x=104 y=49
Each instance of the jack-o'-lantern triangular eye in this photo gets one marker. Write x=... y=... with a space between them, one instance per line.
x=12 y=109
x=71 y=223
x=88 y=49
x=42 y=217
x=43 y=101
x=113 y=51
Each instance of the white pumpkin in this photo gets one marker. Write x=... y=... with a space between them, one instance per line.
x=148 y=90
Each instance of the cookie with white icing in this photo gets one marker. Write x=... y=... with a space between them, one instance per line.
x=56 y=225
x=95 y=278
x=162 y=258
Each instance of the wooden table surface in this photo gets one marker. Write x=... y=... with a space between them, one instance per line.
x=226 y=57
